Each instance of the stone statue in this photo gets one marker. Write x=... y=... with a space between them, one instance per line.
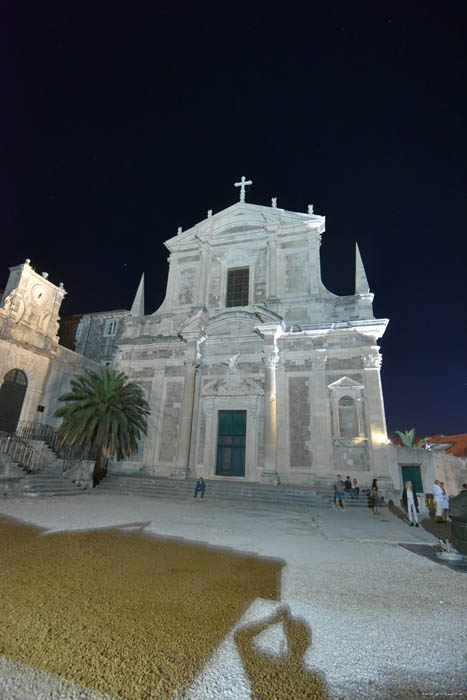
x=232 y=363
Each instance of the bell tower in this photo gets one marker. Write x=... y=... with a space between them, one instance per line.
x=29 y=308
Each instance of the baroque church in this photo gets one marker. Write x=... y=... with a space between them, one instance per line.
x=253 y=370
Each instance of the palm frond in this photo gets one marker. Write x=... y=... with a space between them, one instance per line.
x=105 y=411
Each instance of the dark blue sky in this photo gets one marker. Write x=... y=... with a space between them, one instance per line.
x=123 y=121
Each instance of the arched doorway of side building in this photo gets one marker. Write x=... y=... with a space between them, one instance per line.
x=12 y=394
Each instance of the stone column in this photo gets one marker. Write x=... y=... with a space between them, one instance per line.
x=377 y=436
x=270 y=332
x=185 y=421
x=359 y=407
x=374 y=395
x=270 y=359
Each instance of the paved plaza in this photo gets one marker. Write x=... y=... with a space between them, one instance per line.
x=385 y=622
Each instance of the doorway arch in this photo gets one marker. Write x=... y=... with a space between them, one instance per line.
x=12 y=394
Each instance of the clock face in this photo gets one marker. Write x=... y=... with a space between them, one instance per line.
x=40 y=294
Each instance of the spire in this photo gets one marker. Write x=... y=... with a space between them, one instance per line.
x=137 y=308
x=361 y=282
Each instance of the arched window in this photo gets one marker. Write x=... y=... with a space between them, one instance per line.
x=348 y=420
x=12 y=393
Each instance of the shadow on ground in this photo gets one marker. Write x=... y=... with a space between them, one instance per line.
x=121 y=612
x=128 y=614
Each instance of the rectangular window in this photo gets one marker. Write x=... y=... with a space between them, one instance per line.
x=111 y=328
x=238 y=285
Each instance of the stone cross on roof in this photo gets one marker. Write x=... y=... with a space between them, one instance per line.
x=242 y=184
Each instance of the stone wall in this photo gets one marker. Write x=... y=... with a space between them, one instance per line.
x=452 y=470
x=433 y=465
x=92 y=339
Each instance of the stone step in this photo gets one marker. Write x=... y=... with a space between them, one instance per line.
x=228 y=491
x=53 y=485
x=49 y=455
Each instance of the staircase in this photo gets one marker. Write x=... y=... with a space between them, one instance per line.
x=49 y=482
x=286 y=496
x=49 y=455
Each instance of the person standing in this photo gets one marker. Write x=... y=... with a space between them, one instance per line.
x=340 y=491
x=445 y=502
x=348 y=486
x=375 y=496
x=334 y=488
x=410 y=503
x=438 y=496
x=355 y=489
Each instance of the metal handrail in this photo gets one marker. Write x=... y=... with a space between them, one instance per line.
x=72 y=455
x=20 y=452
x=32 y=430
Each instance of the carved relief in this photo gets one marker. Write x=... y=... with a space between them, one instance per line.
x=270 y=356
x=372 y=360
x=232 y=385
x=14 y=306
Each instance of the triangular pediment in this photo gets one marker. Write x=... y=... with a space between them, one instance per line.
x=242 y=218
x=345 y=383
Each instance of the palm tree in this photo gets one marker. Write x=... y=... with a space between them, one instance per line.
x=408 y=439
x=106 y=413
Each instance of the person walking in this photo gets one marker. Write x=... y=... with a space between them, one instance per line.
x=438 y=496
x=200 y=486
x=340 y=492
x=375 y=496
x=410 y=503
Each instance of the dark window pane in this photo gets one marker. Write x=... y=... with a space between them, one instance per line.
x=237 y=286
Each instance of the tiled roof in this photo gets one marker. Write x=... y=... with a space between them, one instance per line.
x=458 y=443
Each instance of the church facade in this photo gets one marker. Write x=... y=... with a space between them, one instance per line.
x=253 y=369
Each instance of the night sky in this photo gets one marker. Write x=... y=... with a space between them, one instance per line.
x=122 y=121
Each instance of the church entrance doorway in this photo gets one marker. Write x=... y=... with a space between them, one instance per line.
x=413 y=474
x=231 y=440
x=11 y=399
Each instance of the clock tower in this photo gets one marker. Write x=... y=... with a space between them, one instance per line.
x=29 y=308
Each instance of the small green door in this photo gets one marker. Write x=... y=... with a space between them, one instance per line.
x=412 y=474
x=231 y=440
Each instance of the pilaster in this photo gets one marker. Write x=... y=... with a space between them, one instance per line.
x=321 y=428
x=201 y=296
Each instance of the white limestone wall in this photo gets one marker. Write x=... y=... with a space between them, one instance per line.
x=35 y=367
x=452 y=470
x=61 y=370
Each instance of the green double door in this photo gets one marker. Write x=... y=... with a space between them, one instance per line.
x=231 y=441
